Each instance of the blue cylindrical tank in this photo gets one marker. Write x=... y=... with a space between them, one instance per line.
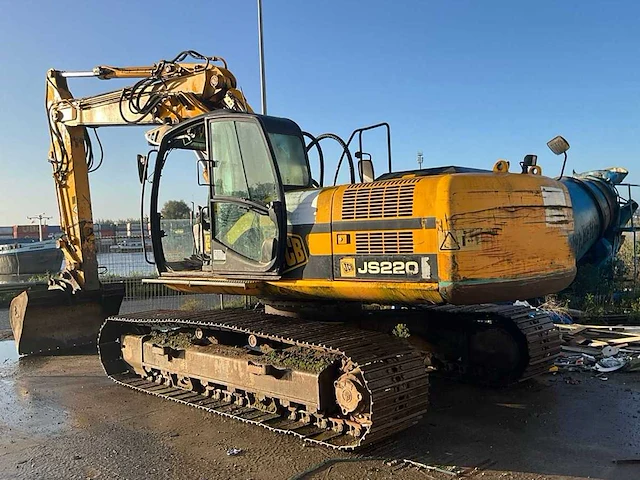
x=596 y=215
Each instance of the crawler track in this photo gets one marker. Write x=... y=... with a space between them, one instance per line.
x=486 y=344
x=532 y=331
x=393 y=372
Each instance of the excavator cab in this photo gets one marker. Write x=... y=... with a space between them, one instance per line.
x=243 y=166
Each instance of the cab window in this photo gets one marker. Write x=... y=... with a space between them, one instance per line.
x=289 y=152
x=242 y=167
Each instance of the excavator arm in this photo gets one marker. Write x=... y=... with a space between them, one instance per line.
x=165 y=94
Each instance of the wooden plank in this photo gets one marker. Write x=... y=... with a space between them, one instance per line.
x=629 y=334
x=617 y=341
x=587 y=350
x=572 y=329
x=611 y=335
x=618 y=328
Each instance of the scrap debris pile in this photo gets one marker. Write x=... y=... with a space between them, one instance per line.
x=601 y=349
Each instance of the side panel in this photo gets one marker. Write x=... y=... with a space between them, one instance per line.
x=361 y=256
x=384 y=240
x=308 y=254
x=503 y=237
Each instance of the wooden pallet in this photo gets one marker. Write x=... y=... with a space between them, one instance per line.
x=592 y=338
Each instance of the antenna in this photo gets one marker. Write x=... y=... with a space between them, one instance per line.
x=420 y=159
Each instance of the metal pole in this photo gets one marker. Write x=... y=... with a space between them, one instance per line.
x=263 y=86
x=39 y=217
x=635 y=256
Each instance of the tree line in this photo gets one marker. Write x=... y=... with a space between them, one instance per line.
x=174 y=209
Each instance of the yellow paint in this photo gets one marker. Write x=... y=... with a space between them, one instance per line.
x=354 y=290
x=497 y=228
x=319 y=243
x=324 y=200
x=72 y=190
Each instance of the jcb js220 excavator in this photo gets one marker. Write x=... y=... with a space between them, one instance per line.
x=439 y=254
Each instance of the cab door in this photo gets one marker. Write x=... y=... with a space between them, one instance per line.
x=247 y=211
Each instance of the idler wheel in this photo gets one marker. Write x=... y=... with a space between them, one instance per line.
x=349 y=394
x=199 y=334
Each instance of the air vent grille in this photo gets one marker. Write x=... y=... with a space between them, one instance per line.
x=382 y=243
x=379 y=200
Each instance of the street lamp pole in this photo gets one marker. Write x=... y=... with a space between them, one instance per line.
x=263 y=86
x=39 y=218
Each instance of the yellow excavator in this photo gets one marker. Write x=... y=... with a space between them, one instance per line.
x=363 y=284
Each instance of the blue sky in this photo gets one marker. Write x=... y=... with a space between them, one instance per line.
x=465 y=82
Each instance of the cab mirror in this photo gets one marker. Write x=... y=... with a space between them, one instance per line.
x=558 y=145
x=141 y=160
x=365 y=168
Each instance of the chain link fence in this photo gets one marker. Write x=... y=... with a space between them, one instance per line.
x=123 y=261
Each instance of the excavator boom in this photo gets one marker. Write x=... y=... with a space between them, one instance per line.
x=166 y=93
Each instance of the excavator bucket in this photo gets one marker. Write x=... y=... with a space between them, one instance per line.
x=46 y=321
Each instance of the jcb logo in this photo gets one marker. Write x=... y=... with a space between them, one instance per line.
x=348 y=267
x=296 y=254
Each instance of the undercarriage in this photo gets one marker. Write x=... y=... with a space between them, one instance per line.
x=487 y=344
x=340 y=384
x=324 y=382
